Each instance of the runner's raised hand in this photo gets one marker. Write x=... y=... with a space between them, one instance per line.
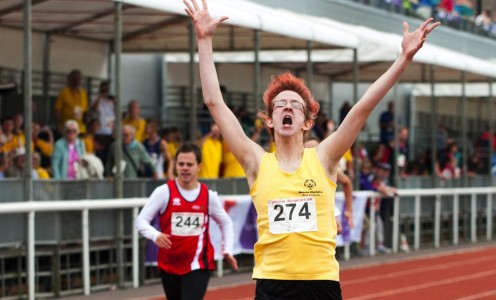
x=413 y=41
x=205 y=25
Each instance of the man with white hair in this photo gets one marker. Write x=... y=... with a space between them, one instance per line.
x=137 y=161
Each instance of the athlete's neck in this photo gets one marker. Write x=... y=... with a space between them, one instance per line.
x=289 y=157
x=187 y=185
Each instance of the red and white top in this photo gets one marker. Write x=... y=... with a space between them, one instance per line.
x=185 y=215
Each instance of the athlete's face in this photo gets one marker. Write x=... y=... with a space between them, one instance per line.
x=288 y=115
x=187 y=168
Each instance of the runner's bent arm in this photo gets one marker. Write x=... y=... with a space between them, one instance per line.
x=157 y=203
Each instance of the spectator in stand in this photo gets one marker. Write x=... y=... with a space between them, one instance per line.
x=102 y=105
x=43 y=143
x=403 y=151
x=174 y=139
x=492 y=33
x=442 y=137
x=246 y=119
x=319 y=129
x=19 y=127
x=377 y=180
x=448 y=165
x=72 y=103
x=4 y=165
x=426 y=8
x=476 y=165
x=445 y=11
x=230 y=165
x=18 y=160
x=158 y=150
x=137 y=161
x=134 y=119
x=343 y=111
x=483 y=21
x=41 y=172
x=67 y=153
x=385 y=209
x=89 y=137
x=211 y=148
x=9 y=141
x=386 y=124
x=464 y=11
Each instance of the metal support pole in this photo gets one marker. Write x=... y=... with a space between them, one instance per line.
x=417 y=223
x=356 y=79
x=309 y=65
x=437 y=221
x=464 y=129
x=491 y=130
x=473 y=218
x=118 y=180
x=135 y=239
x=396 y=128
x=456 y=213
x=193 y=125
x=434 y=128
x=86 y=251
x=489 y=216
x=28 y=117
x=372 y=229
x=396 y=224
x=31 y=254
x=257 y=69
x=46 y=74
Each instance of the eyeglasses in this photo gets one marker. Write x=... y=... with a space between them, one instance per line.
x=70 y=131
x=282 y=103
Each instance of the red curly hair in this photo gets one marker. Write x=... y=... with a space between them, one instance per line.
x=288 y=82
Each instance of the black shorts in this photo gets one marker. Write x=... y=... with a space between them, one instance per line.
x=190 y=286
x=269 y=289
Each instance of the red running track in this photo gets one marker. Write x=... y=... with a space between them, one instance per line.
x=466 y=275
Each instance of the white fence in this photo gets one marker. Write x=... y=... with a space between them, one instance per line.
x=406 y=196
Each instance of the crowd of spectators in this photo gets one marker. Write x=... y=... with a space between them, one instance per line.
x=460 y=14
x=81 y=145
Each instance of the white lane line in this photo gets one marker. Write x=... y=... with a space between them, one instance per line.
x=419 y=257
x=415 y=271
x=478 y=296
x=425 y=285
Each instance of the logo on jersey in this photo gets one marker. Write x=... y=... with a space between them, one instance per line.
x=176 y=202
x=309 y=184
x=196 y=207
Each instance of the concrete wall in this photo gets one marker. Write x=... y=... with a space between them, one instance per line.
x=65 y=53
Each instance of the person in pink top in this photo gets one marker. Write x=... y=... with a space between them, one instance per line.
x=67 y=153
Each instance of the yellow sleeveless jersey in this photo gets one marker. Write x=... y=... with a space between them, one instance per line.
x=296 y=224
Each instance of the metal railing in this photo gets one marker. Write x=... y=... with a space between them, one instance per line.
x=478 y=202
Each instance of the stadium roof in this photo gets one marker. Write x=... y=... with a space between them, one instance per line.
x=448 y=63
x=376 y=52
x=162 y=25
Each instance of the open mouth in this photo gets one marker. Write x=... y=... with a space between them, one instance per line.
x=287 y=120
